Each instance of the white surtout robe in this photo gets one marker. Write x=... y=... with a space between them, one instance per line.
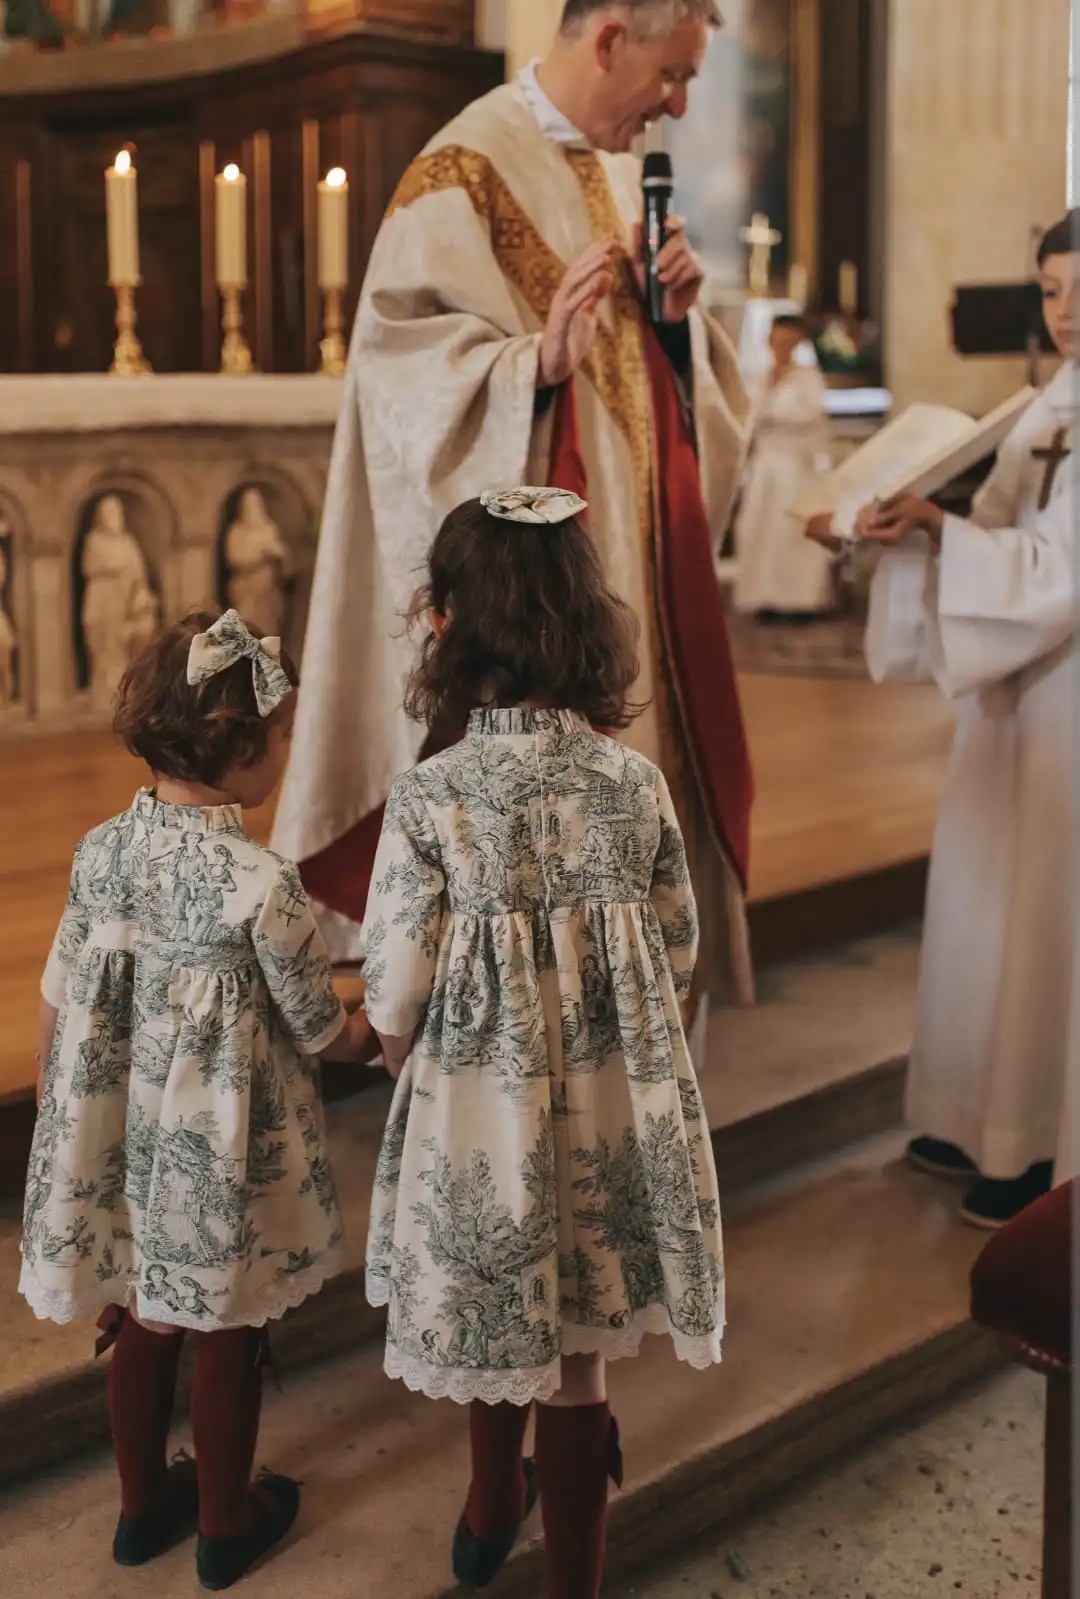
x=779 y=568
x=993 y=621
x=439 y=405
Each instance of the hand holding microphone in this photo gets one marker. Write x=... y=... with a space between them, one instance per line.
x=669 y=271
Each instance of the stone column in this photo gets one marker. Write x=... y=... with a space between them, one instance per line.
x=523 y=28
x=977 y=116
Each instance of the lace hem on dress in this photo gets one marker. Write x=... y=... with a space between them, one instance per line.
x=64 y=1306
x=463 y=1384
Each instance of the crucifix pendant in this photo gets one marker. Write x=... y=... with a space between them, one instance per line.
x=1053 y=454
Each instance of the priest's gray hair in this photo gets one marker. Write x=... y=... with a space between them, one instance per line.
x=647 y=18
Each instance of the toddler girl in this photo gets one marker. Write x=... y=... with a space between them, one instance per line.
x=546 y=1194
x=179 y=1178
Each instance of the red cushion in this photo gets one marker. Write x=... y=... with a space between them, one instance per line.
x=1021 y=1286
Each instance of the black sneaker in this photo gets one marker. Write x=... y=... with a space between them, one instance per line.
x=222 y=1561
x=992 y=1204
x=478 y=1561
x=140 y=1539
x=940 y=1159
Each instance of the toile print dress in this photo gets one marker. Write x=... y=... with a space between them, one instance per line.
x=546 y=1185
x=178 y=1162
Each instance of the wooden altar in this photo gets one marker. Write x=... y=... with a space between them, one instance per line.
x=284 y=106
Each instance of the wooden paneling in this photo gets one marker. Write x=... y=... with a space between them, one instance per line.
x=846 y=143
x=366 y=100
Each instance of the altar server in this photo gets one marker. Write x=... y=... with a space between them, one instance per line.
x=987 y=606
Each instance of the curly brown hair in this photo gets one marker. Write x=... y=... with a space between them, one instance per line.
x=530 y=619
x=191 y=733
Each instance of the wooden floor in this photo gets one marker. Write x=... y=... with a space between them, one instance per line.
x=848 y=783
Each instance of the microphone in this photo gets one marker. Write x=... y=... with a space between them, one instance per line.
x=659 y=186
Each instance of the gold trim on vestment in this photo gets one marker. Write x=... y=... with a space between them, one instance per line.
x=616 y=364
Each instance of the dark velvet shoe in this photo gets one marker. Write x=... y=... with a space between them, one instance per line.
x=222 y=1561
x=140 y=1539
x=992 y=1204
x=478 y=1561
x=940 y=1159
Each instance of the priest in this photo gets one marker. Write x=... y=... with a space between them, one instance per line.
x=501 y=339
x=988 y=608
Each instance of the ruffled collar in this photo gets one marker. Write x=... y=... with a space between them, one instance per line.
x=523 y=721
x=189 y=818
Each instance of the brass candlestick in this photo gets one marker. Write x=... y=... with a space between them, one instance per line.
x=235 y=355
x=128 y=359
x=332 y=348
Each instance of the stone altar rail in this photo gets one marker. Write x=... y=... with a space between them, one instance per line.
x=178 y=453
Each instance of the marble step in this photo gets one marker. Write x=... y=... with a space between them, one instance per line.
x=817 y=1065
x=848 y=1310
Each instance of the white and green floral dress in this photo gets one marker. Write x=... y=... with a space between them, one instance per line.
x=178 y=1162
x=546 y=1185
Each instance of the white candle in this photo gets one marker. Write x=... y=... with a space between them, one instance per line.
x=849 y=288
x=122 y=220
x=230 y=227
x=799 y=285
x=334 y=230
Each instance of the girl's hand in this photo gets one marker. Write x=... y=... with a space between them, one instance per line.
x=893 y=520
x=395 y=1052
x=356 y=1045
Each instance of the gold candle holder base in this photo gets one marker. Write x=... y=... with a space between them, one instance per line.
x=128 y=359
x=235 y=355
x=332 y=347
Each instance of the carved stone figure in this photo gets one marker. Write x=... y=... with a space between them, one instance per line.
x=259 y=564
x=120 y=612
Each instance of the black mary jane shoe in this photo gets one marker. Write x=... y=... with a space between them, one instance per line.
x=140 y=1539
x=940 y=1159
x=220 y=1562
x=478 y=1561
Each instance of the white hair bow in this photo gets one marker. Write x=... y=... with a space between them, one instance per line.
x=537 y=507
x=229 y=641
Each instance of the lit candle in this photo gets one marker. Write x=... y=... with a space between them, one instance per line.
x=230 y=227
x=122 y=220
x=849 y=288
x=334 y=230
x=799 y=285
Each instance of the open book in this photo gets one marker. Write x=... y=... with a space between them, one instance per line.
x=920 y=453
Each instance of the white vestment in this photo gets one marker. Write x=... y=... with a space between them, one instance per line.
x=441 y=404
x=993 y=621
x=779 y=568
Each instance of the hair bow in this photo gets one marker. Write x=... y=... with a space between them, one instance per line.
x=229 y=641
x=537 y=507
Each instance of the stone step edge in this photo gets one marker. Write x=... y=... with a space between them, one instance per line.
x=55 y=1419
x=701 y=1496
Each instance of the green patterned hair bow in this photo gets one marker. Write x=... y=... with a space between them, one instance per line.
x=535 y=507
x=229 y=641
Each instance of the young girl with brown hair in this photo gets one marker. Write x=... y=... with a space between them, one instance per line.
x=178 y=1179
x=546 y=1194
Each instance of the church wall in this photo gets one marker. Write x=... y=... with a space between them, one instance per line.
x=976 y=140
x=523 y=28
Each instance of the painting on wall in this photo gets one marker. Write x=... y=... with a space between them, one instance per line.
x=732 y=150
